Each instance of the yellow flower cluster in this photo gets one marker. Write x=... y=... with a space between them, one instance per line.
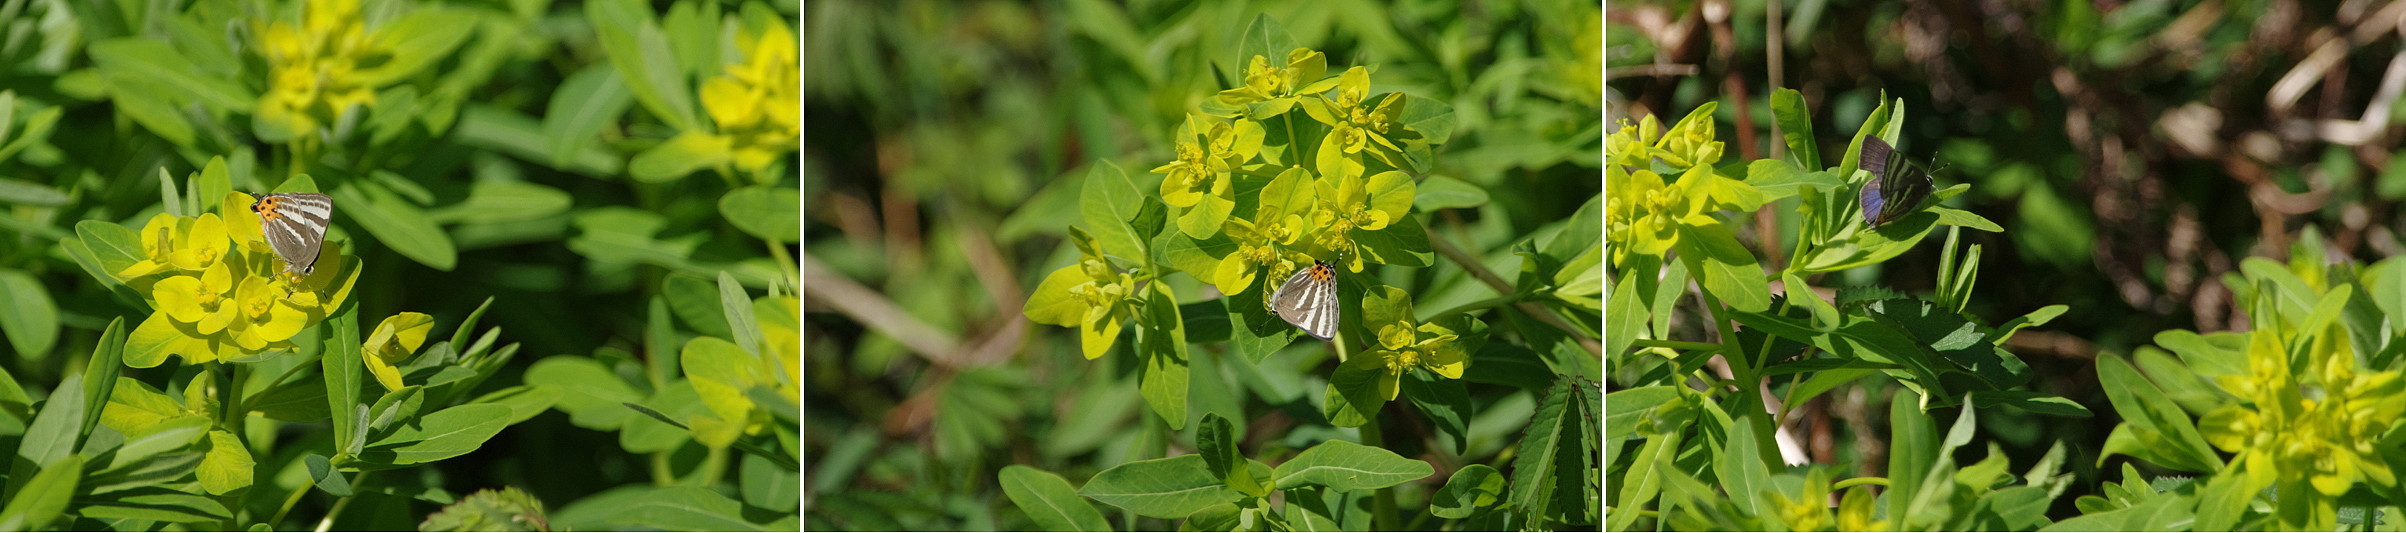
x=756 y=102
x=215 y=287
x=314 y=69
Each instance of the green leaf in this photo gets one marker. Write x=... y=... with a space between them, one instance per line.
x=341 y=366
x=41 y=500
x=1344 y=466
x=51 y=437
x=1724 y=267
x=590 y=394
x=326 y=477
x=771 y=213
x=1402 y=243
x=502 y=201
x=1355 y=392
x=156 y=504
x=1796 y=126
x=439 y=435
x=2153 y=427
x=687 y=509
x=586 y=103
x=1203 y=220
x=27 y=316
x=644 y=58
x=115 y=246
x=1533 y=470
x=1472 y=488
x=1440 y=192
x=227 y=465
x=1741 y=469
x=681 y=156
x=1162 y=342
x=28 y=193
x=1108 y=200
x=1172 y=487
x=1216 y=441
x=1221 y=517
x=156 y=61
x=736 y=305
x=416 y=40
x=1049 y=500
x=507 y=131
x=101 y=372
x=1265 y=37
x=1445 y=401
x=396 y=223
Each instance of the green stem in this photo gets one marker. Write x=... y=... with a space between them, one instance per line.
x=1489 y=303
x=785 y=262
x=1294 y=145
x=1678 y=345
x=289 y=501
x=327 y=523
x=1749 y=378
x=1382 y=501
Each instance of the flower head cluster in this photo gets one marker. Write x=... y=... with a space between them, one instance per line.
x=217 y=292
x=2307 y=416
x=756 y=101
x=315 y=69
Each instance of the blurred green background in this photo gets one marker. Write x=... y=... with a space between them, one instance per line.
x=947 y=144
x=2134 y=152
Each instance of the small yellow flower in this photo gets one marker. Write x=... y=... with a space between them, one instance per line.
x=204 y=301
x=1402 y=347
x=756 y=102
x=264 y=316
x=183 y=244
x=394 y=342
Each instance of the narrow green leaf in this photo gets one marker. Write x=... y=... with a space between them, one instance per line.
x=40 y=501
x=737 y=306
x=416 y=40
x=440 y=435
x=1796 y=126
x=1171 y=487
x=27 y=316
x=587 y=102
x=396 y=223
x=1049 y=500
x=687 y=509
x=644 y=59
x=341 y=366
x=29 y=193
x=1162 y=342
x=100 y=374
x=1343 y=466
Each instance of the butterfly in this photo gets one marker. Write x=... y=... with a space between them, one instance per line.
x=295 y=226
x=1896 y=185
x=1309 y=300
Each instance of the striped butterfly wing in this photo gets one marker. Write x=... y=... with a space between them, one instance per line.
x=1309 y=301
x=295 y=226
x=1896 y=186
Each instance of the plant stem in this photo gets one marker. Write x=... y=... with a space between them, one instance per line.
x=1479 y=271
x=1382 y=501
x=289 y=501
x=1749 y=380
x=327 y=523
